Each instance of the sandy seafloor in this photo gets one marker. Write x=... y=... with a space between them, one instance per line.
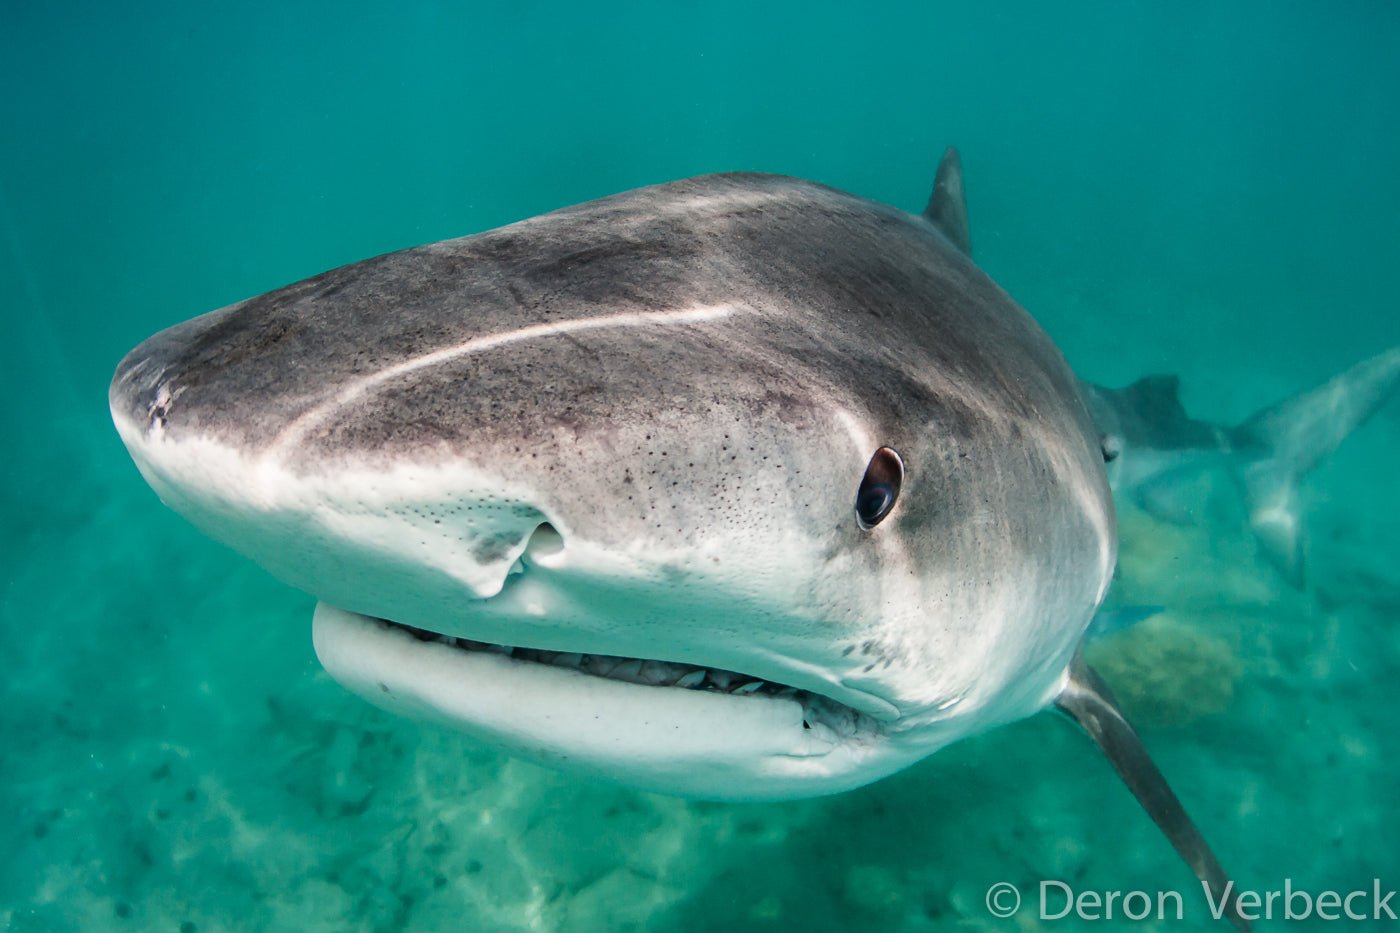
x=1206 y=190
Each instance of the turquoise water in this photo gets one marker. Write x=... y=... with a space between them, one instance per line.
x=1205 y=189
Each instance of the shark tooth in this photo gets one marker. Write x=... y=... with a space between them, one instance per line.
x=693 y=679
x=630 y=669
x=660 y=672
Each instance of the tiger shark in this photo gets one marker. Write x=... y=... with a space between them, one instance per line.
x=737 y=487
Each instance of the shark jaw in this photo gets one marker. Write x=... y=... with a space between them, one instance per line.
x=705 y=727
x=670 y=728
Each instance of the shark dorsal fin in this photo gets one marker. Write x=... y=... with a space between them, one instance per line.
x=1161 y=391
x=1087 y=700
x=1156 y=401
x=947 y=206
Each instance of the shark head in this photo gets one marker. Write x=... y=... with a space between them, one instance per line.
x=737 y=487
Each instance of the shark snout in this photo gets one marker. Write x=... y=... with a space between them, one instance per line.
x=140 y=393
x=150 y=389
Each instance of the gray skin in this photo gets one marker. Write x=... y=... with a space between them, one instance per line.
x=740 y=437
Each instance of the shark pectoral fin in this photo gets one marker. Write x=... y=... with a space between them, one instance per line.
x=1087 y=700
x=947 y=206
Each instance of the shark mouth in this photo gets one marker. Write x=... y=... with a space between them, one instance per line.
x=832 y=720
x=674 y=727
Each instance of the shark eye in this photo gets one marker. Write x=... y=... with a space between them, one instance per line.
x=879 y=488
x=1112 y=446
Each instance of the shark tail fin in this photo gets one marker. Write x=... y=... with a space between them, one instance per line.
x=947 y=206
x=1088 y=701
x=1295 y=436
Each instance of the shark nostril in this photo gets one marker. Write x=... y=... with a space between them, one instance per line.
x=545 y=542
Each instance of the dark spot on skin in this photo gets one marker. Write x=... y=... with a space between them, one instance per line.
x=494 y=548
x=187 y=926
x=384 y=687
x=473 y=867
x=847 y=652
x=190 y=795
x=123 y=910
x=41 y=830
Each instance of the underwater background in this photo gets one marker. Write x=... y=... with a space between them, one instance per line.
x=1207 y=189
